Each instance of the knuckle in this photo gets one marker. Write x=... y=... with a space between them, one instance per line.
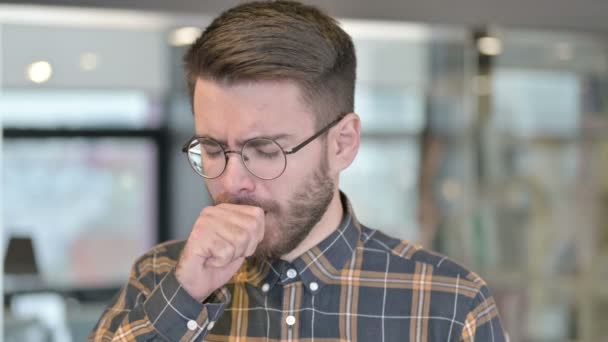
x=195 y=234
x=225 y=252
x=197 y=231
x=207 y=211
x=198 y=223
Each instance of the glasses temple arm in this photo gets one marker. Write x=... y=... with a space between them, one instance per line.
x=316 y=135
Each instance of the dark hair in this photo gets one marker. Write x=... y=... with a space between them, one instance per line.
x=279 y=40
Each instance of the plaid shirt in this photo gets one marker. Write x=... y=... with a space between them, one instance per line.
x=356 y=285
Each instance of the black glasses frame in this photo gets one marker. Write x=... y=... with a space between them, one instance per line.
x=293 y=150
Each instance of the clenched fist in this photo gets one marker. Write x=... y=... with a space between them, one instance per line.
x=222 y=237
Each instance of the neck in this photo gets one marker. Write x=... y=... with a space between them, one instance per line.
x=327 y=225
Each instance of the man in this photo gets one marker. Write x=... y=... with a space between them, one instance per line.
x=281 y=256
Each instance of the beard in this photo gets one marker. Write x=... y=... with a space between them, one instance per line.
x=286 y=227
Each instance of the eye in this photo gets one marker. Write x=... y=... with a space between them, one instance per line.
x=266 y=154
x=263 y=148
x=210 y=148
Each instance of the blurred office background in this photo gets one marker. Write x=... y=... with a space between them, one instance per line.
x=485 y=137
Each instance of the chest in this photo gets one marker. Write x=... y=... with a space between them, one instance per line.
x=347 y=312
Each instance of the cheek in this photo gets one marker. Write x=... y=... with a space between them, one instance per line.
x=277 y=190
x=291 y=181
x=305 y=162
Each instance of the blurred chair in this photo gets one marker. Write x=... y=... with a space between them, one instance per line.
x=47 y=310
x=33 y=316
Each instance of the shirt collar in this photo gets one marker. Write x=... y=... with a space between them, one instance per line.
x=317 y=267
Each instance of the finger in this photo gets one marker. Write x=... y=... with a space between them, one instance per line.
x=239 y=215
x=257 y=214
x=251 y=247
x=236 y=236
x=214 y=250
x=244 y=231
x=234 y=265
x=240 y=225
x=221 y=257
x=212 y=225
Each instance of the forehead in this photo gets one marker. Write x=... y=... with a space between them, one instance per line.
x=248 y=108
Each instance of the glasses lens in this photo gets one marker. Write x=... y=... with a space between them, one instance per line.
x=264 y=158
x=207 y=157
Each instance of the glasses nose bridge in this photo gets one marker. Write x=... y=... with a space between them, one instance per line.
x=239 y=153
x=227 y=152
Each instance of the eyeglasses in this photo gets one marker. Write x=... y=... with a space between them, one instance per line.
x=263 y=157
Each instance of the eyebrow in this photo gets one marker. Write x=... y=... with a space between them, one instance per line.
x=240 y=143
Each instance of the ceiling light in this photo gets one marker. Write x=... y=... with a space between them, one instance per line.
x=490 y=46
x=184 y=36
x=564 y=51
x=89 y=61
x=39 y=72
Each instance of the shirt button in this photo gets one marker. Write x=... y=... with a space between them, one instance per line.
x=265 y=287
x=210 y=325
x=192 y=325
x=290 y=320
x=291 y=273
x=314 y=286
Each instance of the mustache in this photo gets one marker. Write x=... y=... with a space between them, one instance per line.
x=266 y=205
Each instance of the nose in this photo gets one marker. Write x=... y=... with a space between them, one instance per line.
x=236 y=179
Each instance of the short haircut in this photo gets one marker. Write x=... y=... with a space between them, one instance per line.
x=279 y=41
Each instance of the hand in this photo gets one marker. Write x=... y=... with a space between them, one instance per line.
x=222 y=236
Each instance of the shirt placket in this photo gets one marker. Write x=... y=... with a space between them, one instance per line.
x=292 y=292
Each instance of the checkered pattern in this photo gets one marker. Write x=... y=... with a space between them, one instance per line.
x=356 y=285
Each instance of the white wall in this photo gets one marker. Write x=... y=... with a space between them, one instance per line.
x=552 y=14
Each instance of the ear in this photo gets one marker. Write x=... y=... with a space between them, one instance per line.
x=345 y=140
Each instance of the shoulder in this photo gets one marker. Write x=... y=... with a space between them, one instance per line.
x=448 y=289
x=412 y=258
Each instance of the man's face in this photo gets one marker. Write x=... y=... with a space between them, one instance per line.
x=294 y=202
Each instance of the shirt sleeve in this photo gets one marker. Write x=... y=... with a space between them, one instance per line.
x=482 y=322
x=165 y=312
